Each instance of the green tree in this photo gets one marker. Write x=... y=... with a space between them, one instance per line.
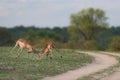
x=86 y=22
x=5 y=37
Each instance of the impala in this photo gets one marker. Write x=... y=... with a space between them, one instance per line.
x=47 y=49
x=22 y=43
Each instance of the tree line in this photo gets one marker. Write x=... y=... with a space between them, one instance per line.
x=105 y=38
x=88 y=30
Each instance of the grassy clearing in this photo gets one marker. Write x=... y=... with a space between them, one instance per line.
x=12 y=68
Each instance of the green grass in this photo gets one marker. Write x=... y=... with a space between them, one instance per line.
x=12 y=68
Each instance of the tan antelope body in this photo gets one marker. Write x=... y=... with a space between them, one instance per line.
x=23 y=44
x=48 y=49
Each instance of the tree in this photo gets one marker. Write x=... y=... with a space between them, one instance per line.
x=86 y=22
x=5 y=37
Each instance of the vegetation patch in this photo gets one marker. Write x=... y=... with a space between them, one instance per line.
x=33 y=68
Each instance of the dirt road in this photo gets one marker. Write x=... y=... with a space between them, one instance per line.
x=102 y=61
x=116 y=74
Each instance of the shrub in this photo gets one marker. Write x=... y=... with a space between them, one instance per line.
x=114 y=44
x=89 y=45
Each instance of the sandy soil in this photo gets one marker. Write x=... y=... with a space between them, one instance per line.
x=102 y=61
x=116 y=74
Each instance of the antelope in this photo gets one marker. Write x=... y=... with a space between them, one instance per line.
x=22 y=43
x=47 y=49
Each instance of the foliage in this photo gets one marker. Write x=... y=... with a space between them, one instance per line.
x=5 y=37
x=88 y=30
x=43 y=35
x=114 y=44
x=18 y=31
x=89 y=45
x=87 y=21
x=37 y=37
x=73 y=45
x=103 y=38
x=115 y=30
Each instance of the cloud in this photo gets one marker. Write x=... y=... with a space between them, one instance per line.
x=23 y=1
x=52 y=12
x=1 y=8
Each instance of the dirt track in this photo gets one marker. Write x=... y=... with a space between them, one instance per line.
x=116 y=74
x=102 y=61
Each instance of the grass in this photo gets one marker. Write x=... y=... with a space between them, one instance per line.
x=12 y=68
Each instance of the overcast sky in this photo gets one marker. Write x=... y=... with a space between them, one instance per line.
x=52 y=12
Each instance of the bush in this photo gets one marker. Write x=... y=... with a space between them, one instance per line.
x=5 y=37
x=89 y=45
x=114 y=44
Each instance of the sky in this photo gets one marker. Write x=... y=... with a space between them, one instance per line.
x=51 y=13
